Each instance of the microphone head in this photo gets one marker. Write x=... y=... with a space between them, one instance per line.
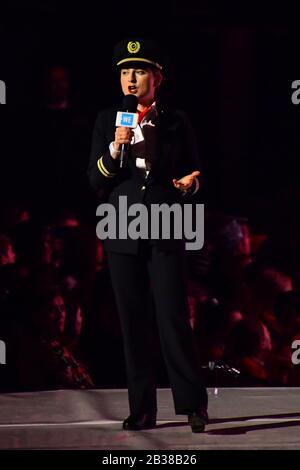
x=130 y=103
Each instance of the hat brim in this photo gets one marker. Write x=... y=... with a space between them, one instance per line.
x=138 y=61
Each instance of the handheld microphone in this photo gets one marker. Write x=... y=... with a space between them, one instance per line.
x=128 y=117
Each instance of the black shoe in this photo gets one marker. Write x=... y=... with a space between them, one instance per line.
x=137 y=423
x=198 y=420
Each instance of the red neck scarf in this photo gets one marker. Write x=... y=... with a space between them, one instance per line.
x=143 y=113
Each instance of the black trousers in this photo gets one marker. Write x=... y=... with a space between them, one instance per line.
x=164 y=273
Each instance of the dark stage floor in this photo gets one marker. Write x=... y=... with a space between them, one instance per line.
x=241 y=418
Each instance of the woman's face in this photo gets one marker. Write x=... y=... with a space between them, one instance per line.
x=141 y=82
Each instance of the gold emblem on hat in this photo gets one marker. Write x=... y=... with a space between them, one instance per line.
x=133 y=47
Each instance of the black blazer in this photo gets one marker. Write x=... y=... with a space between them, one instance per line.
x=176 y=156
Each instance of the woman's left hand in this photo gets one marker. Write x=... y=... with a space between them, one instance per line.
x=186 y=181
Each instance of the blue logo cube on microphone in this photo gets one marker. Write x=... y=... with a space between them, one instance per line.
x=126 y=119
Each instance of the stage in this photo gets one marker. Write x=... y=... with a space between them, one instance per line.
x=240 y=418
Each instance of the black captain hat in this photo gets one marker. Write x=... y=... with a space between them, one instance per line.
x=135 y=51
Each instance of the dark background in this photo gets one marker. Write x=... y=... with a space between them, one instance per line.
x=232 y=67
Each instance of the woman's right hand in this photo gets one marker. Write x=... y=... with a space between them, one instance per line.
x=123 y=135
